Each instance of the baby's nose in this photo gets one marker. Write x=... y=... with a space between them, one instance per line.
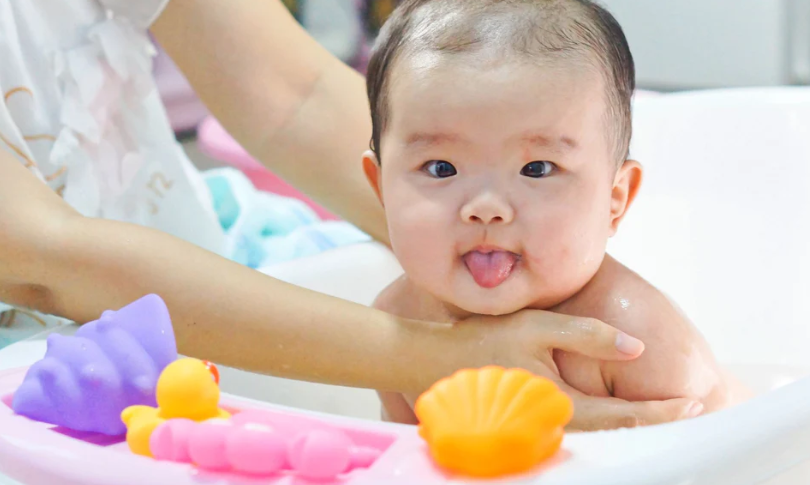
x=487 y=209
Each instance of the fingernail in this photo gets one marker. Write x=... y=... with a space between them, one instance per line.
x=695 y=410
x=628 y=345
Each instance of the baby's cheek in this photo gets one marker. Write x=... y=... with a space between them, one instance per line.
x=419 y=228
x=422 y=240
x=553 y=248
x=562 y=258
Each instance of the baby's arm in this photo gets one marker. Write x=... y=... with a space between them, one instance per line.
x=676 y=363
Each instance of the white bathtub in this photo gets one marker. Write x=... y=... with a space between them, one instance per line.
x=721 y=225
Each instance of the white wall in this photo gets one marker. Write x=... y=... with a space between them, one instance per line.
x=713 y=43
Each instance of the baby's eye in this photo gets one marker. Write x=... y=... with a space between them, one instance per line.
x=440 y=169
x=537 y=169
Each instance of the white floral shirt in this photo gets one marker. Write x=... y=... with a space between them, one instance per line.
x=80 y=109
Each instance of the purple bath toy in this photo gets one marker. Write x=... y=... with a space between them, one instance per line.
x=84 y=382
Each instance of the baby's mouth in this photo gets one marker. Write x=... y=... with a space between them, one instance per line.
x=490 y=268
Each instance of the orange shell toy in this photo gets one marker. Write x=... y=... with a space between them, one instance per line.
x=492 y=422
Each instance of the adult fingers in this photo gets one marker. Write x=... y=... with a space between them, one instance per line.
x=586 y=336
x=592 y=413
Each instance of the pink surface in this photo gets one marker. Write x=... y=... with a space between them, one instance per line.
x=217 y=143
x=37 y=453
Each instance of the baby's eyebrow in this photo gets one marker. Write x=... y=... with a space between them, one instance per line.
x=431 y=139
x=421 y=140
x=561 y=143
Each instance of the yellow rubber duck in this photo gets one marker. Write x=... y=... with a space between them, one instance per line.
x=187 y=388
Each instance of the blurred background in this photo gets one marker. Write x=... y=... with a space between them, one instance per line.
x=677 y=44
x=687 y=44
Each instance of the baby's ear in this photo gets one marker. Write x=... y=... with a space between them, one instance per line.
x=371 y=167
x=625 y=188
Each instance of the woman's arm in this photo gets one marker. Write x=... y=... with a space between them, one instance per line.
x=56 y=261
x=286 y=99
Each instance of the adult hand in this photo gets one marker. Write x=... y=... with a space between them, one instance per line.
x=526 y=339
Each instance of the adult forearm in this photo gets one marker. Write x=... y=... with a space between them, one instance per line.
x=319 y=150
x=294 y=106
x=228 y=313
x=56 y=261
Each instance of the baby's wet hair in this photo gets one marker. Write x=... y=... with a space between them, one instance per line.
x=572 y=31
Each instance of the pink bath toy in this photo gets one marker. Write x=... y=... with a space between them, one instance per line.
x=320 y=454
x=282 y=426
x=256 y=449
x=169 y=441
x=206 y=444
x=326 y=452
x=364 y=456
x=84 y=382
x=261 y=443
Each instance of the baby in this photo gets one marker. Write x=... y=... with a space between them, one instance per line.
x=500 y=153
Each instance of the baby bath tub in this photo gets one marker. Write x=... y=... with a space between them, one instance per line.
x=721 y=225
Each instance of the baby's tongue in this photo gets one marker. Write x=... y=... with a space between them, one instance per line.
x=490 y=269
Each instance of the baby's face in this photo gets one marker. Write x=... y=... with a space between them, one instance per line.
x=498 y=182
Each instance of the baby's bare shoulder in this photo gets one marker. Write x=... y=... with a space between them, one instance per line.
x=677 y=361
x=622 y=298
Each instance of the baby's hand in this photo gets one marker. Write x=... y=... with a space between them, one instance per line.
x=599 y=413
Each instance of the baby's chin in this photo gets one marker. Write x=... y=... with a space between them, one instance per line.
x=464 y=307
x=504 y=301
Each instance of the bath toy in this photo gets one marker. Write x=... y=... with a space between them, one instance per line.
x=207 y=445
x=186 y=389
x=85 y=381
x=320 y=454
x=260 y=443
x=256 y=449
x=213 y=370
x=492 y=422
